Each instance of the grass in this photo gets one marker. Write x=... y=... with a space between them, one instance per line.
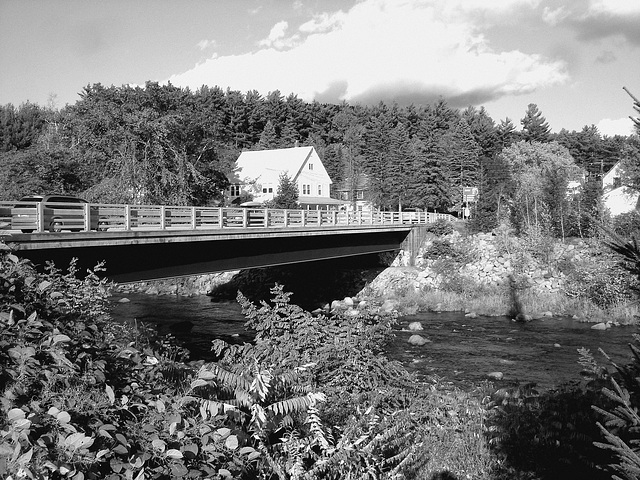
x=495 y=301
x=456 y=434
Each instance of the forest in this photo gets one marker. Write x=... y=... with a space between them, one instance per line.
x=161 y=144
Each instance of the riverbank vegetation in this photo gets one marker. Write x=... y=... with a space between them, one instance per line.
x=480 y=273
x=312 y=397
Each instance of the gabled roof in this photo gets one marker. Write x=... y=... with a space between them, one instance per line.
x=267 y=165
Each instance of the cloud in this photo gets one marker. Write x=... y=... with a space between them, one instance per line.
x=410 y=51
x=277 y=37
x=616 y=8
x=554 y=16
x=598 y=19
x=611 y=127
x=204 y=44
x=606 y=57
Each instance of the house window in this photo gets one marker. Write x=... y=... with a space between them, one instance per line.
x=270 y=189
x=360 y=194
x=617 y=182
x=306 y=189
x=264 y=189
x=320 y=190
x=344 y=195
x=234 y=190
x=311 y=166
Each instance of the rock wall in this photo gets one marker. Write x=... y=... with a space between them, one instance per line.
x=490 y=263
x=186 y=286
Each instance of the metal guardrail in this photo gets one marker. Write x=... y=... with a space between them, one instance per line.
x=112 y=217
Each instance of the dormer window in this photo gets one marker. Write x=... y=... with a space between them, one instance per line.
x=311 y=166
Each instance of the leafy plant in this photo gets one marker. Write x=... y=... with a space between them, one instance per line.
x=440 y=227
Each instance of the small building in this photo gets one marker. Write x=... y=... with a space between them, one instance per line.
x=355 y=194
x=618 y=198
x=258 y=175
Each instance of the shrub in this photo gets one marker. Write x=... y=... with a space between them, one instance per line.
x=445 y=249
x=620 y=425
x=440 y=227
x=604 y=282
x=627 y=224
x=545 y=434
x=314 y=396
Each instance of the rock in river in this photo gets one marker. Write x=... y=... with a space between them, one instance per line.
x=414 y=326
x=418 y=340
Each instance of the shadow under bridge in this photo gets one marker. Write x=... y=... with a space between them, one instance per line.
x=146 y=255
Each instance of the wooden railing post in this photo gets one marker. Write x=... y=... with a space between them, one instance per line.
x=245 y=217
x=266 y=218
x=286 y=217
x=87 y=217
x=194 y=223
x=163 y=218
x=40 y=217
x=220 y=217
x=127 y=217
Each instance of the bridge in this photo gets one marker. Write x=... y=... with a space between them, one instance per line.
x=144 y=242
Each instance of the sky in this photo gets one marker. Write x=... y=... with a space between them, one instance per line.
x=569 y=57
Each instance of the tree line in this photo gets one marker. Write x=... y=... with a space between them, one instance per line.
x=165 y=144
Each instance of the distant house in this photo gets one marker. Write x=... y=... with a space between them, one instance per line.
x=616 y=197
x=355 y=196
x=258 y=174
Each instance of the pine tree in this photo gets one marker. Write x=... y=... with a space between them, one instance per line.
x=636 y=107
x=289 y=136
x=494 y=192
x=287 y=193
x=460 y=162
x=534 y=126
x=268 y=138
x=428 y=188
x=506 y=133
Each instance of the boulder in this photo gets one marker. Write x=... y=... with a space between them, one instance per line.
x=348 y=301
x=414 y=326
x=599 y=326
x=495 y=375
x=124 y=300
x=521 y=317
x=389 y=306
x=418 y=340
x=472 y=315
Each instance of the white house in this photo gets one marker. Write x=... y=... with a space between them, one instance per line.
x=616 y=197
x=258 y=173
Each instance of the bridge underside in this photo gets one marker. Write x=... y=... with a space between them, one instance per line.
x=140 y=257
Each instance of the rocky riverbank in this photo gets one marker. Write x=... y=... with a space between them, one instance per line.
x=482 y=274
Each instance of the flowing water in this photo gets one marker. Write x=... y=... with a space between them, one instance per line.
x=461 y=349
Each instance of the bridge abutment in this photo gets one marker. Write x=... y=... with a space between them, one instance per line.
x=413 y=241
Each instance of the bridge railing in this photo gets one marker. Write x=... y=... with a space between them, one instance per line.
x=116 y=217
x=5 y=215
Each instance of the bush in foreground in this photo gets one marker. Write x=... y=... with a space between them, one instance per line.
x=314 y=397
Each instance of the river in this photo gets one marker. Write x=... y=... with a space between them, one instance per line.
x=462 y=350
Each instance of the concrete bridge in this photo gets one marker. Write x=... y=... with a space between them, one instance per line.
x=143 y=242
